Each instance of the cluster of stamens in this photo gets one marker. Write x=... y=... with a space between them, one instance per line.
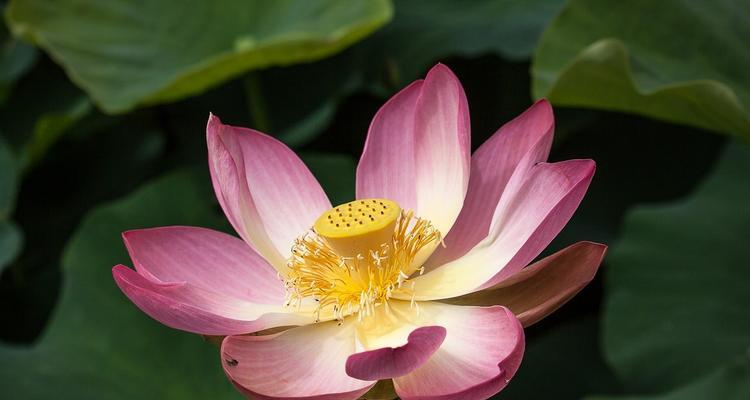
x=347 y=280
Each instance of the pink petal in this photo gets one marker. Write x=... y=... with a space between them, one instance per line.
x=442 y=142
x=267 y=193
x=481 y=353
x=389 y=362
x=529 y=137
x=533 y=209
x=301 y=363
x=417 y=149
x=386 y=168
x=191 y=308
x=540 y=209
x=541 y=288
x=206 y=259
x=203 y=281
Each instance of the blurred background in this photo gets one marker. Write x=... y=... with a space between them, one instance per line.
x=103 y=106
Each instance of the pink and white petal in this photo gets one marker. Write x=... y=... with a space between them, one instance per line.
x=536 y=208
x=442 y=140
x=183 y=306
x=266 y=191
x=206 y=259
x=417 y=150
x=541 y=207
x=541 y=288
x=300 y=363
x=387 y=167
x=518 y=144
x=482 y=351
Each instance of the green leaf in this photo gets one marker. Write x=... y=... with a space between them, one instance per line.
x=335 y=172
x=102 y=159
x=677 y=294
x=16 y=58
x=567 y=359
x=11 y=238
x=11 y=241
x=689 y=68
x=418 y=37
x=421 y=35
x=50 y=126
x=8 y=179
x=99 y=345
x=728 y=383
x=42 y=108
x=297 y=119
x=128 y=53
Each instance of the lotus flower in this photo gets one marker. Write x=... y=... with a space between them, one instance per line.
x=420 y=280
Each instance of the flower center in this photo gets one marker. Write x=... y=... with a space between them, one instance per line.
x=357 y=255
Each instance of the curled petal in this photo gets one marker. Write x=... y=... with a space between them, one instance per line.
x=448 y=351
x=390 y=362
x=482 y=351
x=541 y=288
x=300 y=363
x=266 y=191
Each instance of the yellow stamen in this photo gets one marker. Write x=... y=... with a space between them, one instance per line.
x=355 y=268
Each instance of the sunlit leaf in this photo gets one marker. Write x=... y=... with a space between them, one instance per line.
x=677 y=294
x=683 y=61
x=127 y=53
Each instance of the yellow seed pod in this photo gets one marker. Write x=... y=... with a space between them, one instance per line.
x=359 y=226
